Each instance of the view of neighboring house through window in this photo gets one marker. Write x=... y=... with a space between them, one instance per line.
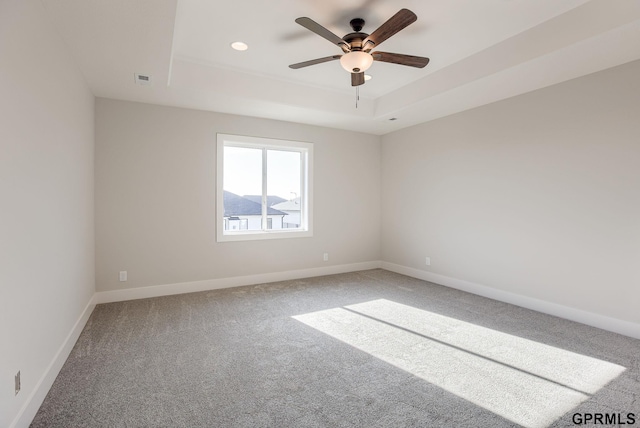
x=264 y=188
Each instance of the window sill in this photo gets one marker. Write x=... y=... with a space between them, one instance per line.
x=259 y=235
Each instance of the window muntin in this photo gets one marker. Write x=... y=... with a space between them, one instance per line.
x=265 y=186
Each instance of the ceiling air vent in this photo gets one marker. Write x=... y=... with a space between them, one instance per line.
x=143 y=79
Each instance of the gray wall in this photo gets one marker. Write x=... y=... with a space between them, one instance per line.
x=155 y=197
x=536 y=195
x=46 y=200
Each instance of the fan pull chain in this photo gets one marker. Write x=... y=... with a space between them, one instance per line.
x=357 y=95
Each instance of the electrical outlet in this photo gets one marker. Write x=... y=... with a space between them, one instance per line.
x=325 y=257
x=123 y=276
x=18 y=382
x=428 y=261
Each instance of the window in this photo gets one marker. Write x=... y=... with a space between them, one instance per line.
x=263 y=188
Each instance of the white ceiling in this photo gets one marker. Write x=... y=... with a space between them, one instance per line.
x=480 y=51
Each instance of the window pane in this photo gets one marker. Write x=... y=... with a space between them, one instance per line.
x=252 y=170
x=283 y=188
x=242 y=185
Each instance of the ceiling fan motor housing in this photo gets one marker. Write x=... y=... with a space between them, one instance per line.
x=355 y=40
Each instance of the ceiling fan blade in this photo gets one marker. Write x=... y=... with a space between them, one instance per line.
x=314 y=61
x=397 y=22
x=396 y=58
x=357 y=79
x=312 y=25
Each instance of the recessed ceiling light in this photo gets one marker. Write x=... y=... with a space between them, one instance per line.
x=239 y=46
x=367 y=77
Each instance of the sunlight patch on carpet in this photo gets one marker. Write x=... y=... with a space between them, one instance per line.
x=524 y=381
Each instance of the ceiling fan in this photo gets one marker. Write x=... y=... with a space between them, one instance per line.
x=357 y=46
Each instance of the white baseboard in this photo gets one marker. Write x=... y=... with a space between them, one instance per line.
x=615 y=325
x=34 y=401
x=215 y=284
x=589 y=318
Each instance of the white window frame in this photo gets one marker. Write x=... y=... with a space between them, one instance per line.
x=306 y=186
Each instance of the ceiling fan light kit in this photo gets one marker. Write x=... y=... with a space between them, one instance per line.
x=356 y=61
x=356 y=46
